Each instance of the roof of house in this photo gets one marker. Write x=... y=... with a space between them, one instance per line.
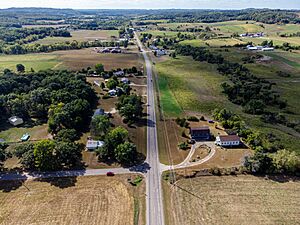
x=94 y=144
x=224 y=138
x=99 y=112
x=204 y=128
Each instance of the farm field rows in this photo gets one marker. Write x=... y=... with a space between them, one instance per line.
x=241 y=199
x=81 y=200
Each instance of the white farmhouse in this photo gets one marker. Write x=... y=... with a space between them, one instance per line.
x=15 y=121
x=228 y=140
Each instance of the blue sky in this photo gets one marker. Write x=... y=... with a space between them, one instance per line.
x=150 y=4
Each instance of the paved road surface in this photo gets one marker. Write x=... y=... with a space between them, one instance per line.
x=154 y=212
x=71 y=173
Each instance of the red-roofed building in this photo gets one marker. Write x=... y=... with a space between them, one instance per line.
x=228 y=140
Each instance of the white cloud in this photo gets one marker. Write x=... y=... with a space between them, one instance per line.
x=117 y=4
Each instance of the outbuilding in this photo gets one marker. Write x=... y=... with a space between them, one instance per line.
x=200 y=133
x=99 y=112
x=112 y=92
x=228 y=140
x=15 y=121
x=93 y=145
x=125 y=80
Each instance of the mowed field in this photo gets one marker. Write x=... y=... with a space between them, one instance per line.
x=72 y=59
x=82 y=35
x=232 y=200
x=189 y=86
x=95 y=200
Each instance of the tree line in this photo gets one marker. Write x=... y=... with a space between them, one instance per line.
x=26 y=35
x=17 y=49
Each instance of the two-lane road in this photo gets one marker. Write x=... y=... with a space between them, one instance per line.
x=154 y=211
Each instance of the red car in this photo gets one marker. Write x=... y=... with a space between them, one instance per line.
x=110 y=174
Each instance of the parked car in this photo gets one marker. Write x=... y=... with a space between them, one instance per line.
x=110 y=174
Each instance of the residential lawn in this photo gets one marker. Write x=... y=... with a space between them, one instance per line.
x=74 y=200
x=13 y=134
x=242 y=199
x=82 y=35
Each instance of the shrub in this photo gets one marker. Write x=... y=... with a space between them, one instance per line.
x=183 y=146
x=193 y=118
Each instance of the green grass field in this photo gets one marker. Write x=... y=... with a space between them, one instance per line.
x=189 y=86
x=35 y=61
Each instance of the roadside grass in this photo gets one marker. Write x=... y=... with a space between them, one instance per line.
x=169 y=103
x=242 y=199
x=82 y=35
x=73 y=200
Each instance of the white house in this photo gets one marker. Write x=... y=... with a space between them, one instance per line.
x=15 y=121
x=112 y=92
x=93 y=145
x=125 y=80
x=228 y=140
x=267 y=49
x=161 y=52
x=119 y=73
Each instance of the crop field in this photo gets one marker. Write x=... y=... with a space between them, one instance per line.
x=82 y=35
x=82 y=200
x=72 y=59
x=242 y=199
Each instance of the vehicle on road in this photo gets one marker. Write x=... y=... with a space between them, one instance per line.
x=110 y=174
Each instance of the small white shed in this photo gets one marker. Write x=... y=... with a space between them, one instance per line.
x=15 y=121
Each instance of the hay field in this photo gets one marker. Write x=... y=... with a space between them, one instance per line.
x=70 y=59
x=243 y=199
x=97 y=200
